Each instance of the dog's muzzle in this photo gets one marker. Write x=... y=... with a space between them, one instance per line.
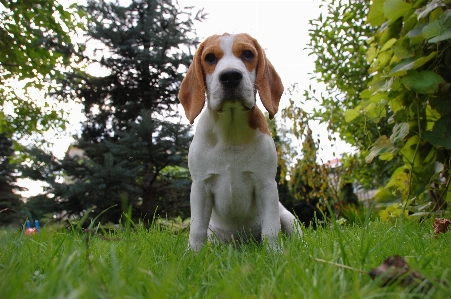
x=232 y=90
x=230 y=79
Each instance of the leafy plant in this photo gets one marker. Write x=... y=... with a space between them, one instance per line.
x=410 y=60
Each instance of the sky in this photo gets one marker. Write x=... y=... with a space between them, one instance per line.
x=281 y=28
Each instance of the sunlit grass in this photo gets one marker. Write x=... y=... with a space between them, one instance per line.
x=155 y=263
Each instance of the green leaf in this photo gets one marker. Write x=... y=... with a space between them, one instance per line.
x=402 y=68
x=422 y=60
x=440 y=136
x=399 y=179
x=440 y=29
x=410 y=64
x=375 y=112
x=383 y=196
x=351 y=114
x=386 y=156
x=410 y=23
x=383 y=59
x=443 y=36
x=396 y=104
x=402 y=48
x=371 y=53
x=424 y=82
x=442 y=103
x=418 y=30
x=366 y=94
x=388 y=44
x=408 y=151
x=376 y=14
x=434 y=28
x=394 y=9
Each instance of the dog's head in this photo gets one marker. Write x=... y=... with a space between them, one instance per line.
x=230 y=69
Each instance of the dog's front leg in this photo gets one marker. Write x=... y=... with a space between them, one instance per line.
x=201 y=206
x=268 y=207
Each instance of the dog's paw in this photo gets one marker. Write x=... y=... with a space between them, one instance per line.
x=196 y=247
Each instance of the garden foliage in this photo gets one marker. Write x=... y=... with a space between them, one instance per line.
x=409 y=88
x=385 y=69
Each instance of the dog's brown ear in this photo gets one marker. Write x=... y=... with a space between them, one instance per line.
x=192 y=89
x=269 y=84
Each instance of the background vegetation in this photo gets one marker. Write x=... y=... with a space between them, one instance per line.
x=383 y=65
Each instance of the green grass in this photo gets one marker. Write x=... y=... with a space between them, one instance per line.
x=155 y=264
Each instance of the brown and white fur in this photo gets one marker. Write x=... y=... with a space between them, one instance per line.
x=232 y=158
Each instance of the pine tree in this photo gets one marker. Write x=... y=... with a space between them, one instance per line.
x=144 y=169
x=145 y=46
x=10 y=202
x=134 y=155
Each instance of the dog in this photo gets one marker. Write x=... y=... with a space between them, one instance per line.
x=232 y=158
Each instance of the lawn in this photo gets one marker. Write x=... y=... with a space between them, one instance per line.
x=155 y=263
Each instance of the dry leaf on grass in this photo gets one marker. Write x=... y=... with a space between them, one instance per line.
x=396 y=270
x=441 y=225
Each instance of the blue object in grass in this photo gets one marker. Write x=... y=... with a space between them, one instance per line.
x=36 y=225
x=28 y=224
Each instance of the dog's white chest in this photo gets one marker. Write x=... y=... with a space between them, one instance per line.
x=233 y=192
x=231 y=173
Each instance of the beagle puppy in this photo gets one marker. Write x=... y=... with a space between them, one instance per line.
x=232 y=158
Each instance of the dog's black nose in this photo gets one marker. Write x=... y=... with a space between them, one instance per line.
x=230 y=78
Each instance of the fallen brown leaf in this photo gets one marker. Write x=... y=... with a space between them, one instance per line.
x=396 y=270
x=441 y=225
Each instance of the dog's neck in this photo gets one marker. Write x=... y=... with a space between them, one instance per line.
x=236 y=125
x=232 y=124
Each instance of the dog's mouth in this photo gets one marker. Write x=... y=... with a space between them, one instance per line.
x=234 y=103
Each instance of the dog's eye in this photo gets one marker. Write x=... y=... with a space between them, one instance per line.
x=210 y=58
x=248 y=55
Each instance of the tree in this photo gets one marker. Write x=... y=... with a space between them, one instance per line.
x=134 y=152
x=109 y=177
x=10 y=203
x=35 y=50
x=144 y=46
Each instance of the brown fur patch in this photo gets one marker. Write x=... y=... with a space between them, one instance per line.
x=211 y=46
x=257 y=120
x=244 y=42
